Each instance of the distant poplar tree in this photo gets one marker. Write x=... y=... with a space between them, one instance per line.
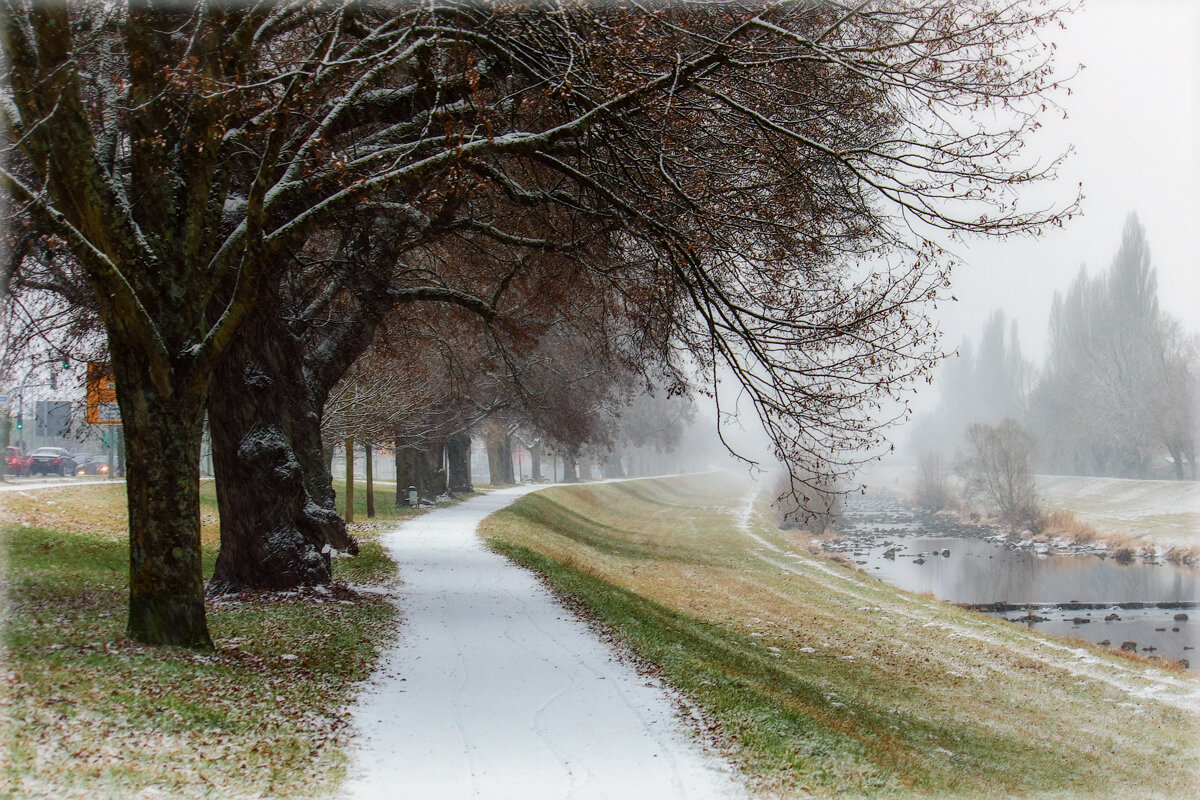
x=1118 y=389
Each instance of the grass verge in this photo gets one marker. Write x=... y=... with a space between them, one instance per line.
x=820 y=681
x=87 y=713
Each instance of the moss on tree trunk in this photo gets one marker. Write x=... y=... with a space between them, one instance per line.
x=166 y=583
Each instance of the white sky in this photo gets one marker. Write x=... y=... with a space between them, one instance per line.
x=1134 y=119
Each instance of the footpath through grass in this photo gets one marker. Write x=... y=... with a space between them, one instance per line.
x=87 y=713
x=821 y=681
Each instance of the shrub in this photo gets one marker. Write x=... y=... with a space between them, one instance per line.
x=933 y=486
x=998 y=470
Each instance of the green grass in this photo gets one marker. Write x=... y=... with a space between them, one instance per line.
x=817 y=680
x=91 y=714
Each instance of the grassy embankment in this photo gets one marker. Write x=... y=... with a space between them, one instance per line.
x=1152 y=514
x=819 y=680
x=1145 y=516
x=88 y=713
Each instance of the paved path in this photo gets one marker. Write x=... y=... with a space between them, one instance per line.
x=495 y=691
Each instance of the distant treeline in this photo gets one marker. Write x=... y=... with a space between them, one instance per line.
x=1116 y=395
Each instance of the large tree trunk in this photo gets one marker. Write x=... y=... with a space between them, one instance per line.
x=611 y=467
x=433 y=481
x=166 y=583
x=583 y=466
x=499 y=453
x=570 y=473
x=406 y=460
x=422 y=469
x=495 y=469
x=506 y=459
x=274 y=490
x=535 y=463
x=458 y=463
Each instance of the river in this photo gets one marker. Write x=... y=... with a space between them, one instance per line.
x=1148 y=606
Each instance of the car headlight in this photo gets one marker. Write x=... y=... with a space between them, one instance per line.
x=104 y=469
x=79 y=471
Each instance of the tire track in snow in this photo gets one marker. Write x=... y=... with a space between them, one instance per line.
x=496 y=691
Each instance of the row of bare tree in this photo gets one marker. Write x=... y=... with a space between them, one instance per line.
x=270 y=208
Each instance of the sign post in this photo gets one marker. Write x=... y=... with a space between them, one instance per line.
x=102 y=408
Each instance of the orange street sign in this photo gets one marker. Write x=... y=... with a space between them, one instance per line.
x=102 y=406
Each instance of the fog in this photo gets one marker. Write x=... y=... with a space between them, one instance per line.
x=1133 y=119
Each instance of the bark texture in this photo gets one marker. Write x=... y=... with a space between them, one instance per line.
x=166 y=583
x=499 y=453
x=406 y=471
x=458 y=463
x=422 y=468
x=273 y=486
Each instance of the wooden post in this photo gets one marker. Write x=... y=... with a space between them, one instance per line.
x=370 y=480
x=349 y=514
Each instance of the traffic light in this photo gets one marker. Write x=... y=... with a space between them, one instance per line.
x=20 y=420
x=66 y=363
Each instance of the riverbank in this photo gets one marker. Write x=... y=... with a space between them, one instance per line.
x=1146 y=519
x=1052 y=585
x=817 y=680
x=1157 y=516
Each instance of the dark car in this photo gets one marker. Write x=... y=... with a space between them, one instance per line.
x=88 y=464
x=14 y=462
x=46 y=460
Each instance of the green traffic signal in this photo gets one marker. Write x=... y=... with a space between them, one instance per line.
x=20 y=422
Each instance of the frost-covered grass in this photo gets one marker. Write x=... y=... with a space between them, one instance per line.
x=818 y=680
x=88 y=713
x=1157 y=513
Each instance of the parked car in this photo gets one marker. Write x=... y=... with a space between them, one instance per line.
x=15 y=462
x=46 y=460
x=88 y=464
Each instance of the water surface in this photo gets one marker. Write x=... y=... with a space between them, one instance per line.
x=965 y=563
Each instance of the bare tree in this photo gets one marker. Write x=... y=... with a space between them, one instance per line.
x=933 y=486
x=999 y=471
x=1118 y=389
x=765 y=167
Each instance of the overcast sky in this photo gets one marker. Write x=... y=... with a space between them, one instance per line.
x=1134 y=120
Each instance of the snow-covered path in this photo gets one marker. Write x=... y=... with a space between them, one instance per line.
x=494 y=691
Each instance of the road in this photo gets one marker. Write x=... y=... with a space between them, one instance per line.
x=495 y=691
x=11 y=484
